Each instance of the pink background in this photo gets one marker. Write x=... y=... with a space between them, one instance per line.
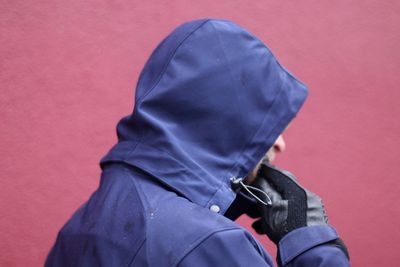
x=68 y=70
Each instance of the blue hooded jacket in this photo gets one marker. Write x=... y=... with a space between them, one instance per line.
x=210 y=101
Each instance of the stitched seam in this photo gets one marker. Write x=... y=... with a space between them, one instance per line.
x=199 y=241
x=290 y=256
x=278 y=63
x=168 y=62
x=178 y=192
x=255 y=132
x=175 y=159
x=134 y=256
x=128 y=176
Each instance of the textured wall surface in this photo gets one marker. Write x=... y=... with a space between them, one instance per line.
x=68 y=71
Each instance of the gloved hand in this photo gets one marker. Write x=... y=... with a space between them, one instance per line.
x=292 y=205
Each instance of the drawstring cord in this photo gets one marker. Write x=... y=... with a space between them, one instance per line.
x=238 y=182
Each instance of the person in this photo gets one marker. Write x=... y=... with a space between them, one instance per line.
x=210 y=101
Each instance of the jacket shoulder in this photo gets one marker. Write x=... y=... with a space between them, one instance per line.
x=176 y=226
x=228 y=248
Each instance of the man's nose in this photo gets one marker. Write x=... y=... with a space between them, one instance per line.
x=279 y=145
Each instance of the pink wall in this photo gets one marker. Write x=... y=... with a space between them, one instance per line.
x=68 y=71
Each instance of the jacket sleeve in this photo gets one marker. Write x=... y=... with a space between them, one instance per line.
x=311 y=246
x=226 y=249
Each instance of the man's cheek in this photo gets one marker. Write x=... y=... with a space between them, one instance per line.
x=270 y=156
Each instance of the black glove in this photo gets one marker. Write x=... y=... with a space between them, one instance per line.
x=292 y=205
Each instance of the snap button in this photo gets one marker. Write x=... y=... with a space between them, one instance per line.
x=215 y=208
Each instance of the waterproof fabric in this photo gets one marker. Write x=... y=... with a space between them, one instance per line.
x=210 y=101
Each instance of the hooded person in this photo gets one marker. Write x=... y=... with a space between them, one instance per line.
x=210 y=101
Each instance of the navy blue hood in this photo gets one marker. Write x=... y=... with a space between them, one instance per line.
x=210 y=101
